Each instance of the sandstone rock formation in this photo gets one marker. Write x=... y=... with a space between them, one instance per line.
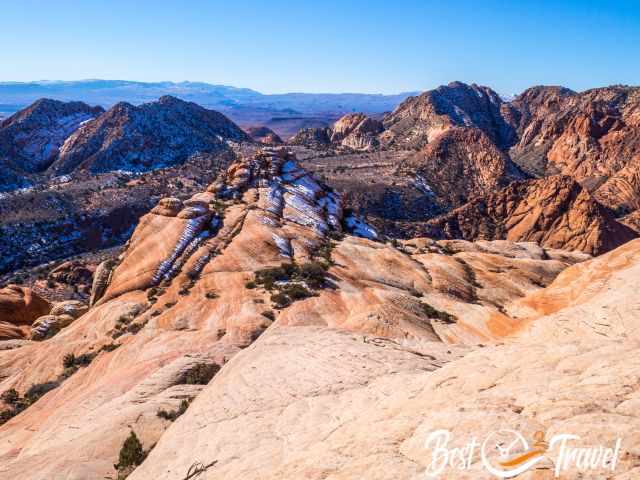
x=353 y=132
x=19 y=307
x=356 y=131
x=312 y=137
x=555 y=212
x=264 y=135
x=419 y=120
x=191 y=291
x=356 y=407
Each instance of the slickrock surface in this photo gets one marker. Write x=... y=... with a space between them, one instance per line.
x=152 y=135
x=556 y=212
x=318 y=404
x=180 y=299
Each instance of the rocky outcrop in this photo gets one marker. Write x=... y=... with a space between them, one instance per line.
x=556 y=212
x=202 y=280
x=419 y=120
x=460 y=164
x=589 y=136
x=263 y=135
x=153 y=135
x=312 y=137
x=352 y=132
x=19 y=307
x=356 y=131
x=567 y=373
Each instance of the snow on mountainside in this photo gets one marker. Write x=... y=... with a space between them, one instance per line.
x=32 y=137
x=154 y=135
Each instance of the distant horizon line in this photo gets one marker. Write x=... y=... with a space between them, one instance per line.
x=198 y=82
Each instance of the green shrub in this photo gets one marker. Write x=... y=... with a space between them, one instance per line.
x=131 y=455
x=296 y=292
x=10 y=396
x=211 y=295
x=313 y=273
x=109 y=347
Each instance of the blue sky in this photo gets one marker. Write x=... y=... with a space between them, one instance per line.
x=325 y=46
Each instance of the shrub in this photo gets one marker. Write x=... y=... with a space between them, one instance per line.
x=250 y=285
x=280 y=300
x=268 y=276
x=38 y=390
x=313 y=273
x=211 y=295
x=174 y=414
x=438 y=314
x=269 y=314
x=10 y=397
x=201 y=374
x=296 y=292
x=131 y=455
x=134 y=328
x=69 y=360
x=109 y=347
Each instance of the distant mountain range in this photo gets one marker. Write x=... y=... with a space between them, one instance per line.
x=284 y=113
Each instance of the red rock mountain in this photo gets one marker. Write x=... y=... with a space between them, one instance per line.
x=555 y=212
x=460 y=164
x=419 y=120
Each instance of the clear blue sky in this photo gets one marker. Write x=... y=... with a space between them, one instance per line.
x=325 y=46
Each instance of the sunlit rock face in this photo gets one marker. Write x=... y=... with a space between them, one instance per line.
x=376 y=328
x=555 y=212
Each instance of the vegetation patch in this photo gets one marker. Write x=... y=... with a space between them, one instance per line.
x=172 y=415
x=131 y=456
x=19 y=403
x=201 y=374
x=431 y=312
x=290 y=282
x=70 y=363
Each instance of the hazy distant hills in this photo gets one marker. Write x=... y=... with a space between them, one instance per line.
x=284 y=113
